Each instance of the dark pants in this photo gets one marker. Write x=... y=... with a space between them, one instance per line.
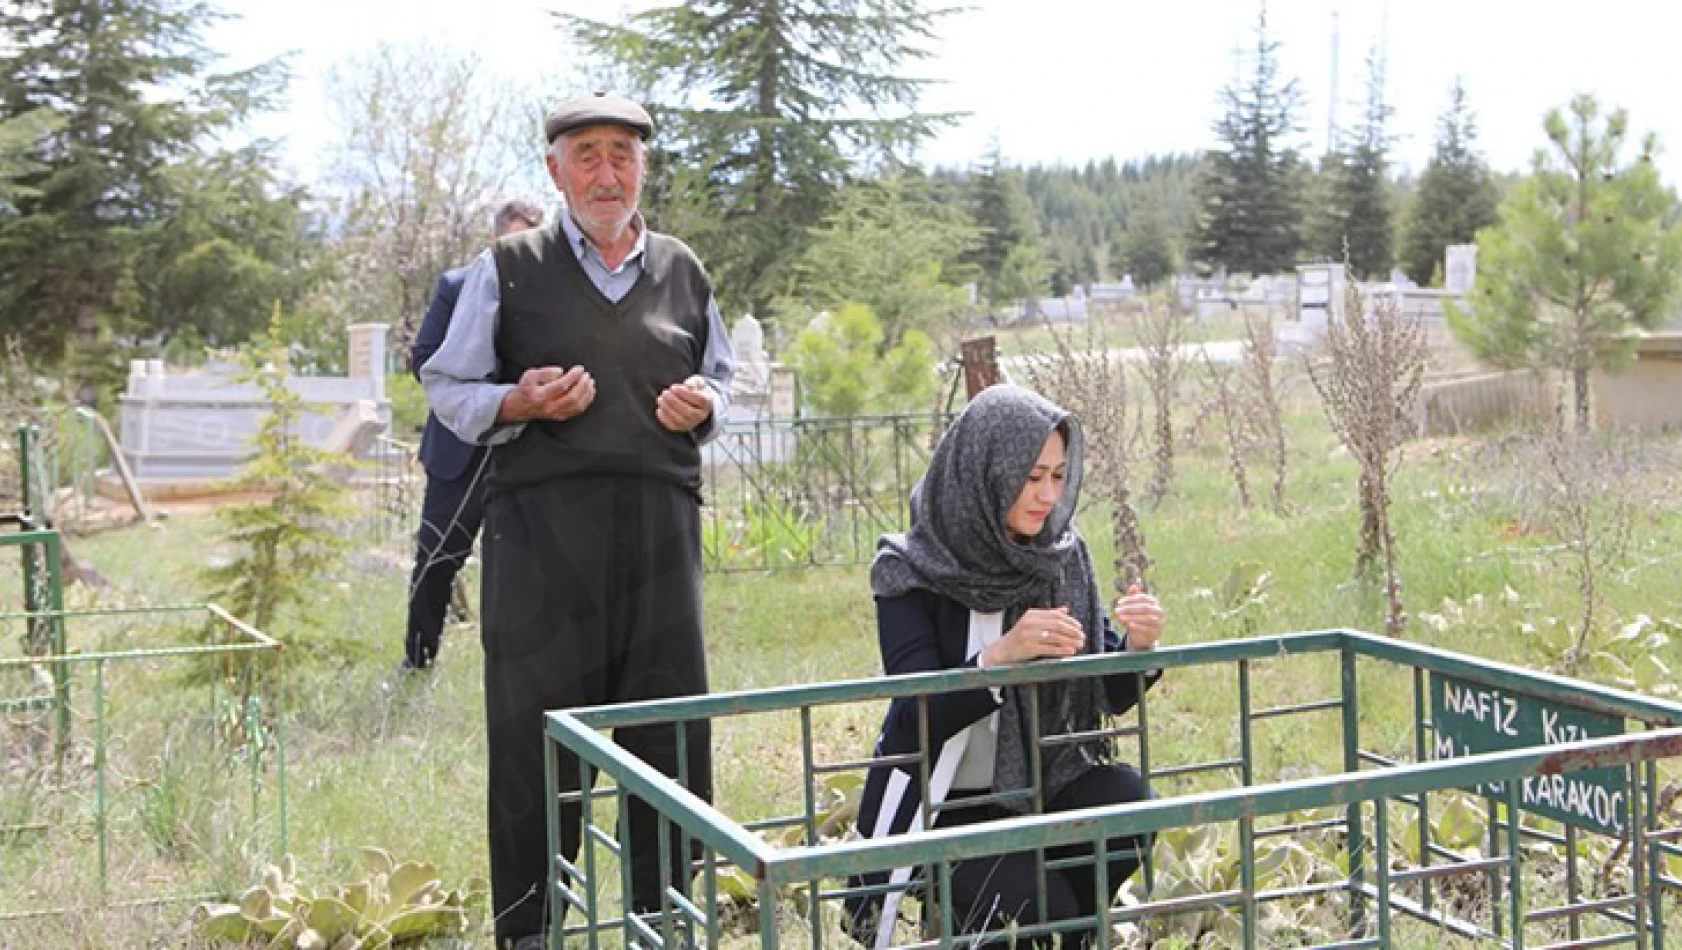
x=591 y=595
x=450 y=518
x=989 y=893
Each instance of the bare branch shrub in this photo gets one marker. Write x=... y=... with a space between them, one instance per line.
x=1089 y=378
x=1368 y=373
x=1266 y=413
x=1588 y=497
x=1162 y=335
x=1584 y=492
x=1226 y=402
x=425 y=142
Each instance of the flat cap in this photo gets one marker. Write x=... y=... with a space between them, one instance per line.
x=601 y=108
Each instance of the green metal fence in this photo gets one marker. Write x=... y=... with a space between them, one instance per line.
x=399 y=486
x=809 y=492
x=1561 y=789
x=778 y=493
x=113 y=791
x=63 y=455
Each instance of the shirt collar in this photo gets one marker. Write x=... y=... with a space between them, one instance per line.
x=582 y=245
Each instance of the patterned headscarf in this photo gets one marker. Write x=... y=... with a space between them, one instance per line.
x=958 y=546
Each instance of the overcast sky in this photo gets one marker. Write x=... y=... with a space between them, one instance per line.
x=1072 y=80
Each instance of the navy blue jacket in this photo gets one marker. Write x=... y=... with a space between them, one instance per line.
x=441 y=453
x=920 y=632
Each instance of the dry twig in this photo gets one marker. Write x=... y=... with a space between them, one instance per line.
x=1267 y=415
x=1091 y=382
x=1162 y=332
x=1368 y=375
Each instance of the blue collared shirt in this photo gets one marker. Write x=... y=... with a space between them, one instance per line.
x=458 y=378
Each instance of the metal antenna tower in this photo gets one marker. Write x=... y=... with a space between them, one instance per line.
x=1331 y=94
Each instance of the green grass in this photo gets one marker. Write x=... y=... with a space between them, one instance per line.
x=399 y=762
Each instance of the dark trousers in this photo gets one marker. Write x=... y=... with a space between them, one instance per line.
x=989 y=893
x=591 y=595
x=450 y=518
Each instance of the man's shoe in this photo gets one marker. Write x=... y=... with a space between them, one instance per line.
x=530 y=942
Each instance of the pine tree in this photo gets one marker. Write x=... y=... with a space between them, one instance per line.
x=1251 y=192
x=1084 y=213
x=1360 y=189
x=763 y=107
x=238 y=239
x=1146 y=249
x=858 y=255
x=1586 y=252
x=848 y=367
x=1456 y=197
x=286 y=542
x=1322 y=222
x=20 y=142
x=131 y=88
x=1010 y=256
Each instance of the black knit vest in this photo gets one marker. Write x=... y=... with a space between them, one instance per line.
x=553 y=315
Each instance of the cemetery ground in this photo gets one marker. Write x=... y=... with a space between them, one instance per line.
x=1036 y=337
x=379 y=758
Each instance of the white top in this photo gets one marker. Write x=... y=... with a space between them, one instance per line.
x=966 y=758
x=975 y=769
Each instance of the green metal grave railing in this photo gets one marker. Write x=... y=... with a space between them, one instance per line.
x=62 y=458
x=65 y=767
x=807 y=492
x=76 y=814
x=779 y=493
x=1535 y=747
x=399 y=485
x=40 y=551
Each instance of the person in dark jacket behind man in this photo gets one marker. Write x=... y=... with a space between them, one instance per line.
x=454 y=505
x=592 y=358
x=993 y=572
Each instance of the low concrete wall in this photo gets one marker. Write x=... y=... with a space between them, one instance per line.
x=1472 y=403
x=1645 y=395
x=1648 y=393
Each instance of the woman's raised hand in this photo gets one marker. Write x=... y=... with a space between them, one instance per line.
x=1140 y=617
x=1042 y=632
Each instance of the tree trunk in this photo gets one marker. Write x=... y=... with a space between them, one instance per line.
x=768 y=109
x=1580 y=391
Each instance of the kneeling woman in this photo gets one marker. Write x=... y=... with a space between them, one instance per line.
x=993 y=572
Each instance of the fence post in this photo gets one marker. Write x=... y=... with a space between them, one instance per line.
x=1356 y=837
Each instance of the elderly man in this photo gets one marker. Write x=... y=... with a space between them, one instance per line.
x=455 y=486
x=591 y=356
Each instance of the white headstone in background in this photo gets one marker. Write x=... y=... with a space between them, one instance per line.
x=1320 y=292
x=753 y=366
x=367 y=354
x=784 y=395
x=748 y=337
x=1460 y=268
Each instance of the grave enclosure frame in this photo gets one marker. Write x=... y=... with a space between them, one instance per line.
x=71 y=698
x=1369 y=798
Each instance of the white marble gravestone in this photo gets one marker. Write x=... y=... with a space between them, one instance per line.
x=1460 y=268
x=197 y=425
